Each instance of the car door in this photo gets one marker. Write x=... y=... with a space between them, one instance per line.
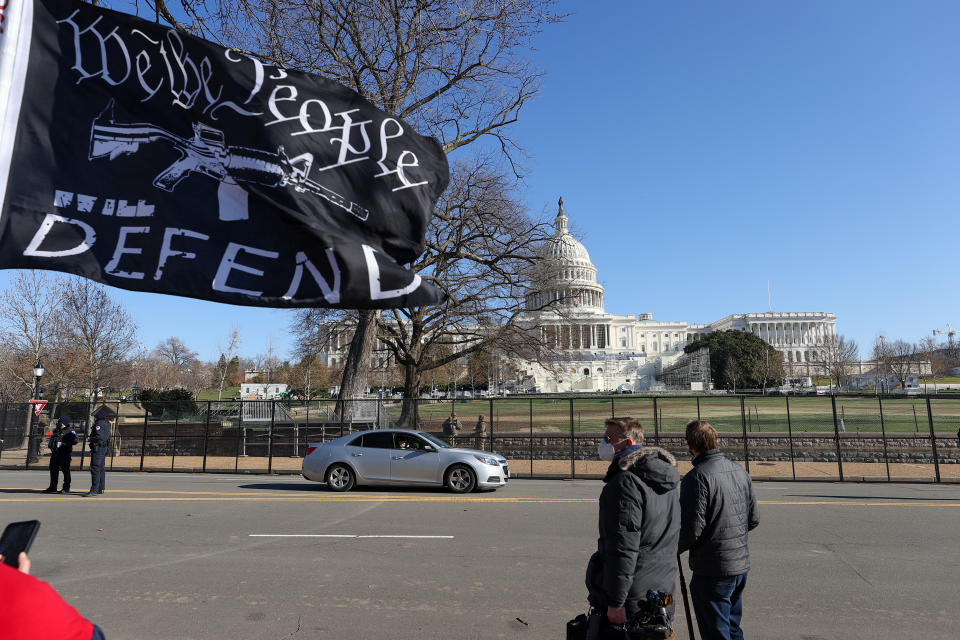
x=413 y=464
x=372 y=457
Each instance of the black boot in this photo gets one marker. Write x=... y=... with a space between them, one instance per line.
x=50 y=490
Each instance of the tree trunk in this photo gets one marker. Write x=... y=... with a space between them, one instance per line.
x=357 y=367
x=25 y=444
x=409 y=414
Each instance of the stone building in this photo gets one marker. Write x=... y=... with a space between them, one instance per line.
x=600 y=351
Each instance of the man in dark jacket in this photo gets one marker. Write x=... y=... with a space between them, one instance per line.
x=99 y=444
x=639 y=526
x=61 y=451
x=718 y=508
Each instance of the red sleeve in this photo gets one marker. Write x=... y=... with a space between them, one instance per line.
x=32 y=610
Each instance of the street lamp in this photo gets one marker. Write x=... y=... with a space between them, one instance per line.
x=33 y=453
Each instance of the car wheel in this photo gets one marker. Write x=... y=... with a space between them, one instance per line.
x=340 y=478
x=461 y=479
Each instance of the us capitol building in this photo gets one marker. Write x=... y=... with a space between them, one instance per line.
x=599 y=351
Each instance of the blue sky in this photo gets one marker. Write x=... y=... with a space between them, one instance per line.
x=703 y=148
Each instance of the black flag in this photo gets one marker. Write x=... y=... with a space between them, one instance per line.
x=151 y=160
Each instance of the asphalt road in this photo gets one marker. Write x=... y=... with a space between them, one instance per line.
x=192 y=556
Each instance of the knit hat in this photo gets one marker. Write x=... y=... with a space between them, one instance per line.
x=64 y=420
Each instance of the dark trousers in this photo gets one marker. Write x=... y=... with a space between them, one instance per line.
x=718 y=603
x=98 y=470
x=58 y=464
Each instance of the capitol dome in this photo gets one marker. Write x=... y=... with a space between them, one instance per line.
x=565 y=272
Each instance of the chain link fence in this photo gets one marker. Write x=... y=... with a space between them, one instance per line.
x=793 y=437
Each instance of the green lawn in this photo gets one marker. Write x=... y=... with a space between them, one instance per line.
x=807 y=414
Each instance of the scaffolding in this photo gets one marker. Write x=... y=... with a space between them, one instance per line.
x=690 y=372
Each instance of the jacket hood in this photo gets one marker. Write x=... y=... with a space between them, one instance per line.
x=656 y=467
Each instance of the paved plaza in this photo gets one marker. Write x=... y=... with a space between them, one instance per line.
x=221 y=556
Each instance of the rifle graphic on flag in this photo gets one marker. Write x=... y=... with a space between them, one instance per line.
x=208 y=154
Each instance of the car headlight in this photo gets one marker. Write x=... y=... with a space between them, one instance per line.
x=488 y=460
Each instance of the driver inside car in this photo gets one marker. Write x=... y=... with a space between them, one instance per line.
x=407 y=443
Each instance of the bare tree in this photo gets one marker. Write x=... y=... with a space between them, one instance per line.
x=456 y=71
x=931 y=351
x=881 y=354
x=772 y=368
x=178 y=358
x=196 y=376
x=836 y=353
x=731 y=371
x=101 y=330
x=227 y=354
x=482 y=250
x=31 y=327
x=900 y=361
x=28 y=316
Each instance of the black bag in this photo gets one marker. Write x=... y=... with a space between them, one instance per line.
x=577 y=628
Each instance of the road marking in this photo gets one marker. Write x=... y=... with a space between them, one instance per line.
x=144 y=495
x=852 y=503
x=340 y=535
x=228 y=498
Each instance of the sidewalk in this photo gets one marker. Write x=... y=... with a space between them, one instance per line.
x=519 y=468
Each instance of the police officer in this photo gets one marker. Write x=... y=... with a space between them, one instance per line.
x=61 y=450
x=99 y=444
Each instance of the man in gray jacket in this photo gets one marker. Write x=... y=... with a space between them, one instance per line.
x=718 y=508
x=639 y=525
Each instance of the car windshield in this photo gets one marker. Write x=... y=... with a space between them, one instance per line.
x=434 y=441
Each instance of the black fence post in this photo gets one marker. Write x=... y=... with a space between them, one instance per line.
x=698 y=408
x=836 y=437
x=573 y=464
x=490 y=400
x=206 y=436
x=33 y=445
x=3 y=429
x=83 y=439
x=656 y=424
x=176 y=432
x=236 y=453
x=273 y=408
x=531 y=437
x=933 y=441
x=793 y=465
x=613 y=407
x=883 y=434
x=143 y=439
x=746 y=449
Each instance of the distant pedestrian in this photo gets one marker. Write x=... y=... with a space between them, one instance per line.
x=718 y=507
x=479 y=430
x=958 y=437
x=61 y=451
x=451 y=427
x=99 y=445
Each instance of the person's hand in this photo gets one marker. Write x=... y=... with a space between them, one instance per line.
x=24 y=561
x=617 y=615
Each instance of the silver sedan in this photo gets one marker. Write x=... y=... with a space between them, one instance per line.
x=395 y=456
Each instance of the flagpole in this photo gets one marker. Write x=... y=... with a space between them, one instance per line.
x=15 y=35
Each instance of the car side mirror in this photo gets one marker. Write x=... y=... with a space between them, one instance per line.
x=428 y=447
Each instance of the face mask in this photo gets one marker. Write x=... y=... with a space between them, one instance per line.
x=605 y=450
